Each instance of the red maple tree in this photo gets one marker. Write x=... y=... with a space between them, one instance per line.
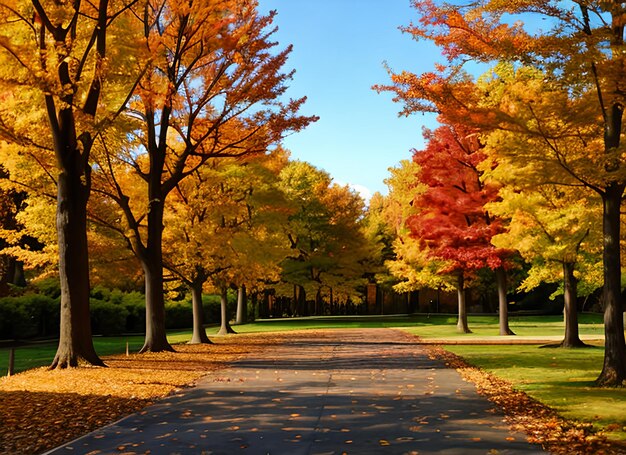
x=451 y=218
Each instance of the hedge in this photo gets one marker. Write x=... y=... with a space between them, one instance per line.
x=113 y=312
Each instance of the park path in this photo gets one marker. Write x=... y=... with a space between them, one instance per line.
x=358 y=391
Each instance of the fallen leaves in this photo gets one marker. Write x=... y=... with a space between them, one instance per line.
x=541 y=423
x=41 y=409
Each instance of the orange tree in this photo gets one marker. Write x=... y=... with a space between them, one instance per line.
x=213 y=87
x=582 y=55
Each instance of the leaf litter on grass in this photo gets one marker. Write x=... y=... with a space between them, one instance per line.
x=541 y=424
x=42 y=409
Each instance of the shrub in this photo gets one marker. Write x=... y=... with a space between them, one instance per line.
x=28 y=316
x=135 y=304
x=178 y=315
x=211 y=306
x=107 y=318
x=48 y=286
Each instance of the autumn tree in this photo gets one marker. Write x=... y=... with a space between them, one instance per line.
x=410 y=265
x=451 y=218
x=213 y=88
x=554 y=219
x=555 y=229
x=55 y=73
x=582 y=56
x=328 y=246
x=223 y=227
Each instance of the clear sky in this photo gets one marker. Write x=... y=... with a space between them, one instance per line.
x=340 y=47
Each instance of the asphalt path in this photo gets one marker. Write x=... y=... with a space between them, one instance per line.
x=365 y=391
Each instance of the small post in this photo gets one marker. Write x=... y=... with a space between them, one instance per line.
x=11 y=362
x=127 y=349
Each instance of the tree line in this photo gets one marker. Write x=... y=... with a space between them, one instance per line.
x=528 y=160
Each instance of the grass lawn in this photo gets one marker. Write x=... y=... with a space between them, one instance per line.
x=41 y=354
x=561 y=378
x=440 y=326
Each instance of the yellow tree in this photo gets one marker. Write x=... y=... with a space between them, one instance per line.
x=213 y=88
x=556 y=230
x=413 y=264
x=224 y=227
x=54 y=82
x=329 y=250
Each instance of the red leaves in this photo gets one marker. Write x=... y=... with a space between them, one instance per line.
x=452 y=220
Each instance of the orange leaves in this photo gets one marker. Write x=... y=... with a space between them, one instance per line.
x=41 y=409
x=542 y=424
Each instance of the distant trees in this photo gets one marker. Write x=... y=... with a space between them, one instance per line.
x=328 y=248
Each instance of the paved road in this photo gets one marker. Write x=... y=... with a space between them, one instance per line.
x=369 y=391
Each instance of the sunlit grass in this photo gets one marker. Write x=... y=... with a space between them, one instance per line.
x=560 y=378
x=438 y=326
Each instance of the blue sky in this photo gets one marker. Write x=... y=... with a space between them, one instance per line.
x=340 y=47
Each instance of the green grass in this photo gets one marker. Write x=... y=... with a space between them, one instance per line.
x=42 y=354
x=426 y=326
x=440 y=326
x=561 y=378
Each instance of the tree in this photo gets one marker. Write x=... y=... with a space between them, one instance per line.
x=411 y=265
x=222 y=228
x=556 y=231
x=55 y=67
x=553 y=226
x=451 y=218
x=328 y=247
x=212 y=89
x=581 y=55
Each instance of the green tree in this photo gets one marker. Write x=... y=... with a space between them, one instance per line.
x=329 y=250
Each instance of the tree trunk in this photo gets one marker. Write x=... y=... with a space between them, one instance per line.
x=156 y=335
x=302 y=305
x=503 y=307
x=614 y=369
x=75 y=342
x=19 y=278
x=199 y=334
x=570 y=295
x=225 y=327
x=152 y=262
x=254 y=302
x=242 y=306
x=461 y=325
